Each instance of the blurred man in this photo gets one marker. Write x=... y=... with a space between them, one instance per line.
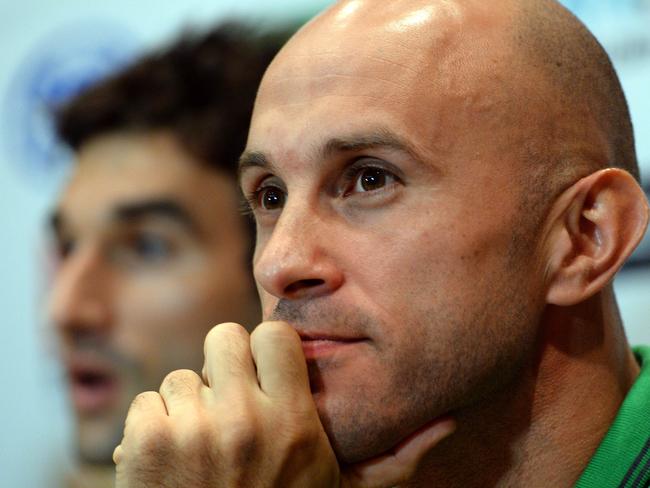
x=153 y=250
x=443 y=191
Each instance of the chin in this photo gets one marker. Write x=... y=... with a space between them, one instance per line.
x=97 y=438
x=357 y=430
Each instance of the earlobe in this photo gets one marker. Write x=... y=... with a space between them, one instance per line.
x=596 y=224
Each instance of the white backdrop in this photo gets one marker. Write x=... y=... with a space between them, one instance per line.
x=50 y=47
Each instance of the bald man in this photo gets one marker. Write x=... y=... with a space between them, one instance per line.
x=443 y=192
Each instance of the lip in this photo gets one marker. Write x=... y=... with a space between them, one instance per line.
x=93 y=384
x=317 y=346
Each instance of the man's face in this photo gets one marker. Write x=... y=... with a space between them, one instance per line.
x=390 y=233
x=152 y=253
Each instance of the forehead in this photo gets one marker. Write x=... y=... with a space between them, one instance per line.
x=122 y=169
x=429 y=71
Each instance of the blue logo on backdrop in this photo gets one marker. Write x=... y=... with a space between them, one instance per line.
x=58 y=67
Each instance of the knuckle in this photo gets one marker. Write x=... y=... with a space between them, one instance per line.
x=180 y=382
x=143 y=398
x=141 y=402
x=227 y=328
x=230 y=331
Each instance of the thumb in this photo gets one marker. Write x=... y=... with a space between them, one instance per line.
x=400 y=463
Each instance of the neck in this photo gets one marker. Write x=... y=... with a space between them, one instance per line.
x=543 y=428
x=92 y=476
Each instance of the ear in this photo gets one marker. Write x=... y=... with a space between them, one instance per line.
x=594 y=227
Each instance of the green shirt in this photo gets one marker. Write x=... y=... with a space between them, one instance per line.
x=623 y=458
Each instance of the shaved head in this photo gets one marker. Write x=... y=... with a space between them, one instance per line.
x=582 y=81
x=581 y=123
x=554 y=84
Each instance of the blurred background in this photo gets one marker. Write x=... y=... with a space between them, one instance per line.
x=48 y=51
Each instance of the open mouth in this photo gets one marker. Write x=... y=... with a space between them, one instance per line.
x=92 y=380
x=92 y=388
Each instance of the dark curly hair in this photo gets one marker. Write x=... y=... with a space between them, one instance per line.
x=201 y=88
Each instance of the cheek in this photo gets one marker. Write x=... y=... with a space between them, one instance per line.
x=442 y=269
x=160 y=301
x=402 y=262
x=162 y=319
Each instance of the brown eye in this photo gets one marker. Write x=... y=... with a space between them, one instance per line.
x=371 y=179
x=271 y=198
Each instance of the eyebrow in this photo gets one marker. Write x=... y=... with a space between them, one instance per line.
x=138 y=210
x=381 y=138
x=162 y=207
x=252 y=159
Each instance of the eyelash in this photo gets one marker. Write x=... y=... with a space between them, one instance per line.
x=250 y=202
x=354 y=171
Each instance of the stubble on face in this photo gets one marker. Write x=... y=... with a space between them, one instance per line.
x=455 y=357
x=99 y=432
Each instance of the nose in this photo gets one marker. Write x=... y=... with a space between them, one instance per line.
x=297 y=260
x=78 y=299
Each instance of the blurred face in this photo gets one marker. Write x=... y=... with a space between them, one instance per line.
x=390 y=232
x=152 y=253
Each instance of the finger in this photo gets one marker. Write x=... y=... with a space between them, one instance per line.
x=281 y=365
x=180 y=390
x=117 y=454
x=401 y=463
x=147 y=441
x=228 y=360
x=145 y=408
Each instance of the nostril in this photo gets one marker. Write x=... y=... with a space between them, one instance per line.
x=299 y=285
